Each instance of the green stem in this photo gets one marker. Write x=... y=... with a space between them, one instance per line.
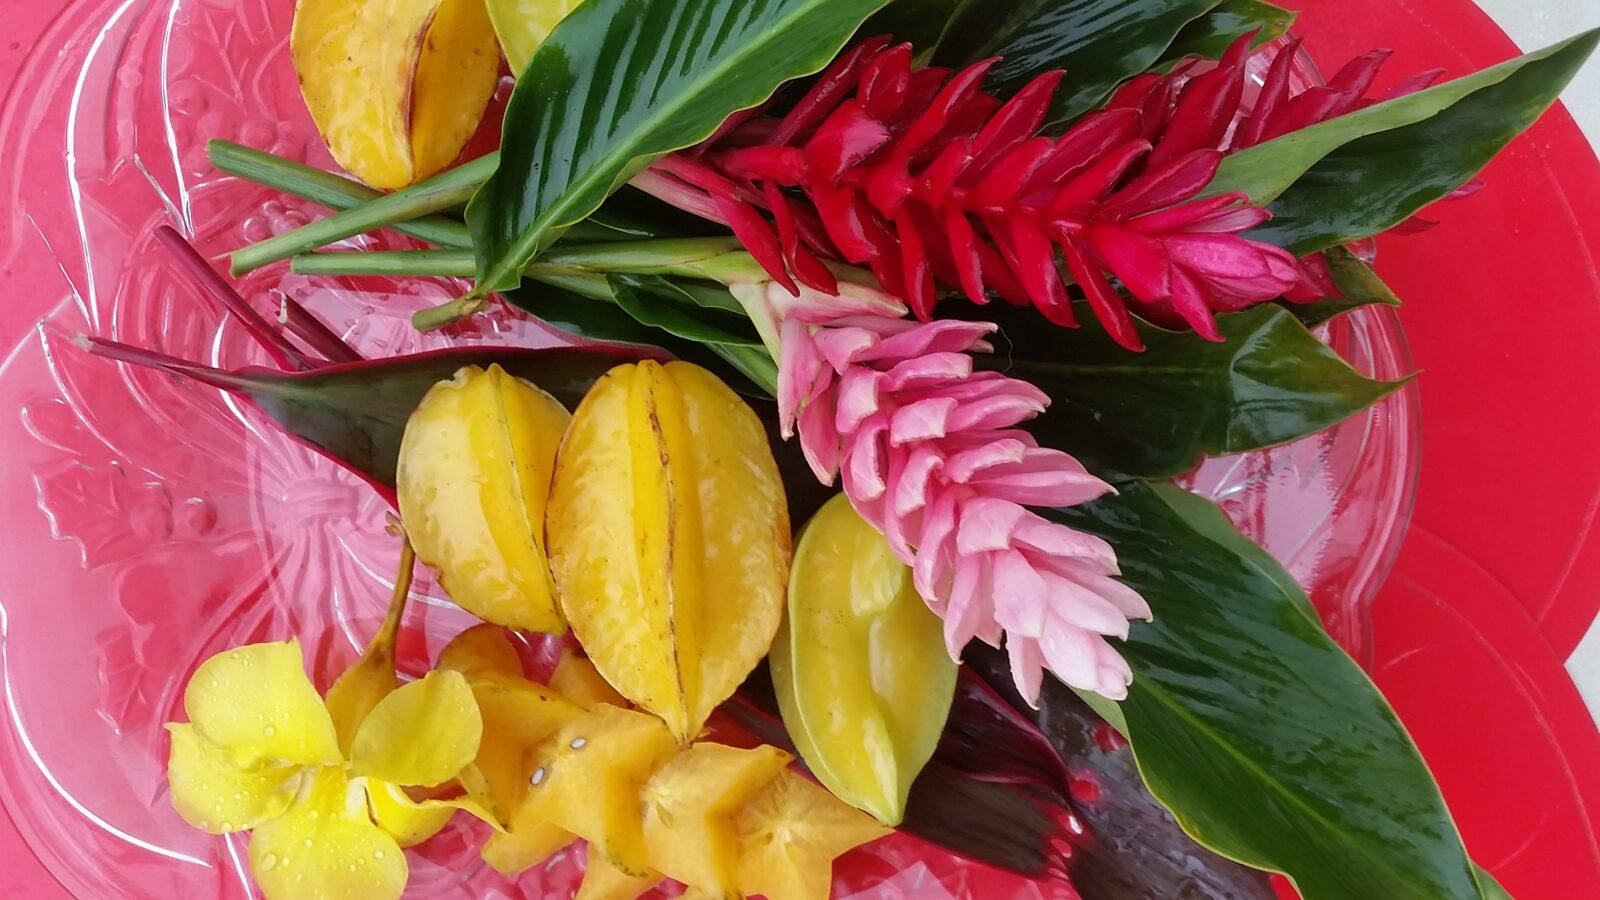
x=326 y=188
x=393 y=263
x=439 y=192
x=686 y=257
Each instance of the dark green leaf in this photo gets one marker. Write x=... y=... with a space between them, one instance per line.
x=1357 y=282
x=1368 y=171
x=920 y=22
x=1209 y=35
x=1134 y=848
x=1155 y=414
x=658 y=302
x=619 y=83
x=1267 y=742
x=1099 y=42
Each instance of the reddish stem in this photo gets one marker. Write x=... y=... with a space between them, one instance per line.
x=284 y=353
x=309 y=328
x=150 y=359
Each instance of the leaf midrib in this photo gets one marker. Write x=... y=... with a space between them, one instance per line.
x=583 y=185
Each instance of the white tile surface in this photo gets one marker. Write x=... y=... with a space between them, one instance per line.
x=1533 y=24
x=1539 y=23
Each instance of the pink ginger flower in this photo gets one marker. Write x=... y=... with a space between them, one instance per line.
x=930 y=453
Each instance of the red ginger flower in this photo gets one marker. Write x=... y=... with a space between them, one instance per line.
x=1187 y=110
x=923 y=177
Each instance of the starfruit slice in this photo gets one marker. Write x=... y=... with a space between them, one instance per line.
x=669 y=538
x=789 y=835
x=396 y=87
x=603 y=881
x=523 y=25
x=689 y=805
x=587 y=778
x=473 y=479
x=862 y=676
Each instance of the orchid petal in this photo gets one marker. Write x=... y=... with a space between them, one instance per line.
x=421 y=734
x=326 y=846
x=214 y=795
x=255 y=703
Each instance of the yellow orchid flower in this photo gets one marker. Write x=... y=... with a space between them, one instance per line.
x=260 y=752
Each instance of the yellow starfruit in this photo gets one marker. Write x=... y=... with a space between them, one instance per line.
x=587 y=779
x=862 y=676
x=523 y=25
x=789 y=835
x=396 y=87
x=579 y=681
x=669 y=538
x=689 y=805
x=473 y=480
x=604 y=881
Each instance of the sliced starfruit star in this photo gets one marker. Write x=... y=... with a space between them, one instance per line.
x=789 y=835
x=669 y=538
x=604 y=881
x=523 y=25
x=473 y=480
x=689 y=808
x=479 y=650
x=396 y=87
x=861 y=673
x=587 y=779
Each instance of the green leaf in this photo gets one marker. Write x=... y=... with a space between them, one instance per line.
x=1356 y=281
x=659 y=303
x=1209 y=35
x=1267 y=742
x=1491 y=888
x=1155 y=414
x=1366 y=172
x=1099 y=42
x=621 y=82
x=920 y=22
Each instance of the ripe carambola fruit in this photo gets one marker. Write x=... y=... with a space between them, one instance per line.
x=473 y=480
x=862 y=676
x=669 y=538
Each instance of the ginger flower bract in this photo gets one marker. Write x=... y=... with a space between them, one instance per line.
x=928 y=451
x=260 y=752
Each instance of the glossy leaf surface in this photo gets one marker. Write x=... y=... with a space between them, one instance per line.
x=1268 y=743
x=620 y=82
x=1099 y=42
x=1357 y=282
x=1209 y=35
x=1156 y=413
x=1368 y=171
x=862 y=676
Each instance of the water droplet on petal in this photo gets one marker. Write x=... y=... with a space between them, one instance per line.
x=269 y=731
x=313 y=814
x=226 y=826
x=308 y=842
x=269 y=861
x=377 y=854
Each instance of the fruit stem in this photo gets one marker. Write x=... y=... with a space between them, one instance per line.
x=326 y=188
x=448 y=189
x=282 y=351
